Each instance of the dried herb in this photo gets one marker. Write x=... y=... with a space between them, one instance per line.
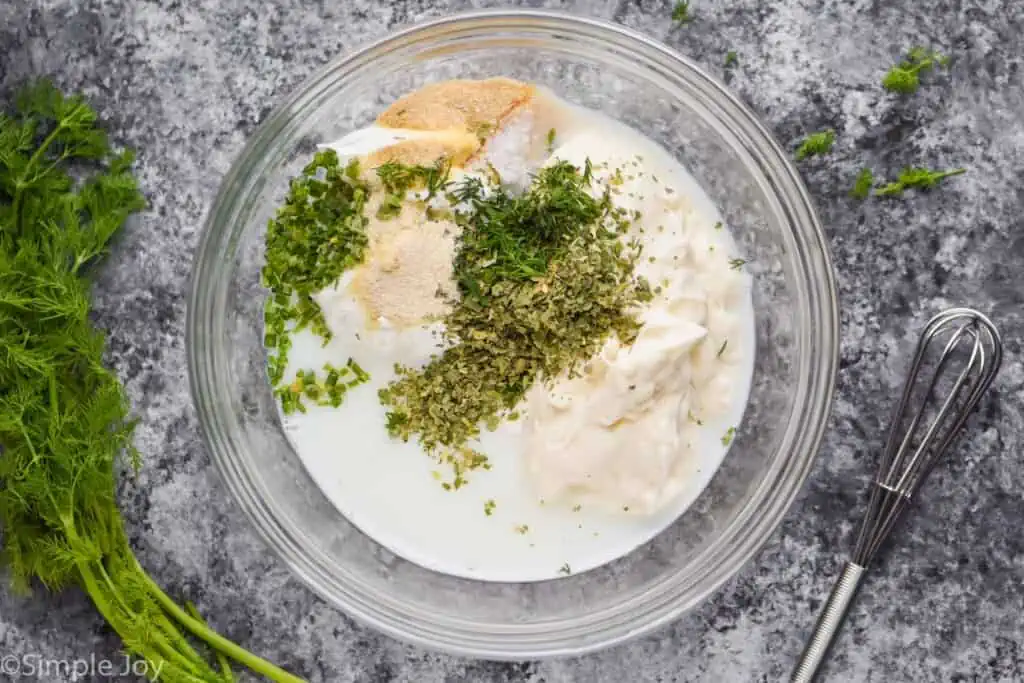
x=544 y=279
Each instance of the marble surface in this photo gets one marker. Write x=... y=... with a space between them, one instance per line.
x=185 y=82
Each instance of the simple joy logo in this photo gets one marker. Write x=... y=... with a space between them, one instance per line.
x=29 y=666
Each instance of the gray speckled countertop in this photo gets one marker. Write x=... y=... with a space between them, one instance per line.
x=185 y=81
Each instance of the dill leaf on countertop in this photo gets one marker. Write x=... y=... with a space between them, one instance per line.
x=681 y=13
x=916 y=177
x=905 y=77
x=863 y=184
x=816 y=144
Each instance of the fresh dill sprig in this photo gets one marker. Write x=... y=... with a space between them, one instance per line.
x=64 y=422
x=681 y=13
x=916 y=178
x=731 y=59
x=816 y=144
x=905 y=77
x=862 y=186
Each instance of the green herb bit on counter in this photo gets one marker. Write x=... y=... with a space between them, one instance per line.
x=919 y=178
x=489 y=507
x=737 y=263
x=731 y=59
x=550 y=142
x=816 y=144
x=904 y=78
x=522 y=529
x=681 y=13
x=729 y=435
x=565 y=570
x=721 y=349
x=862 y=186
x=544 y=279
x=318 y=233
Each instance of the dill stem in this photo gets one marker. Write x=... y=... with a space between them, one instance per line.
x=219 y=642
x=102 y=602
x=225 y=666
x=177 y=644
x=166 y=648
x=19 y=186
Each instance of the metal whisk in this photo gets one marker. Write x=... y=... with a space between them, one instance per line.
x=971 y=352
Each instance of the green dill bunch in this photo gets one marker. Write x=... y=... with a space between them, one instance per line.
x=64 y=417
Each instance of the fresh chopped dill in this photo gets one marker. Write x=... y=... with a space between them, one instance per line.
x=916 y=178
x=521 y=529
x=577 y=507
x=816 y=144
x=721 y=349
x=64 y=416
x=550 y=141
x=737 y=263
x=693 y=418
x=489 y=506
x=718 y=225
x=681 y=13
x=565 y=569
x=862 y=186
x=905 y=77
x=731 y=59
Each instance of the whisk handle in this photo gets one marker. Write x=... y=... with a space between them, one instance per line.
x=829 y=621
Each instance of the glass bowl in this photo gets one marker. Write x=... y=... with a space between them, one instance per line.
x=664 y=95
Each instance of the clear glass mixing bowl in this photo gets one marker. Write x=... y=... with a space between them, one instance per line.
x=658 y=92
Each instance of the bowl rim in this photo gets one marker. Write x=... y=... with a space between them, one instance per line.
x=284 y=541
